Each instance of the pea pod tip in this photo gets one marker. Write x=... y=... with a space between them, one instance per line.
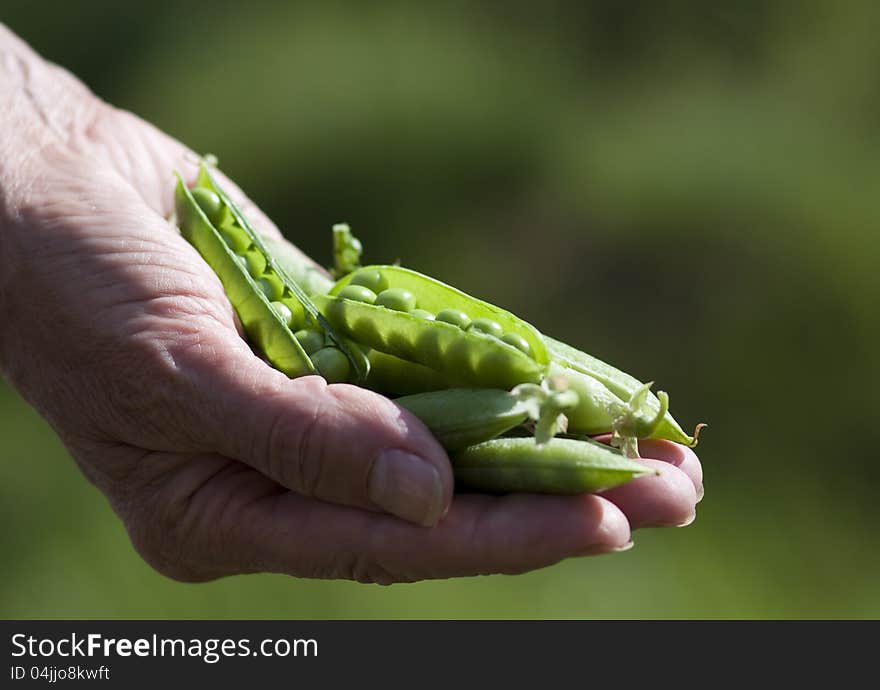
x=696 y=436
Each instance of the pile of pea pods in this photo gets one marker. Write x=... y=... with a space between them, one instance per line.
x=515 y=409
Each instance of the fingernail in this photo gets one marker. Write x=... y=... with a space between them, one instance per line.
x=688 y=521
x=684 y=523
x=700 y=492
x=407 y=486
x=597 y=550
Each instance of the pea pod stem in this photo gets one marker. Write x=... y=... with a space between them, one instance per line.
x=347 y=251
x=460 y=417
x=629 y=425
x=546 y=405
x=622 y=385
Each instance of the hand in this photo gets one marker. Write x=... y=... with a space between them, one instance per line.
x=119 y=334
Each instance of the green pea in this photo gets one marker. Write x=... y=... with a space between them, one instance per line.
x=358 y=293
x=209 y=202
x=332 y=364
x=397 y=299
x=272 y=286
x=371 y=279
x=310 y=340
x=235 y=238
x=284 y=312
x=423 y=314
x=256 y=263
x=486 y=326
x=297 y=313
x=518 y=342
x=455 y=317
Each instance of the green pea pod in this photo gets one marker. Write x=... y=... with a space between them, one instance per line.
x=391 y=375
x=267 y=300
x=359 y=361
x=624 y=387
x=467 y=358
x=562 y=466
x=600 y=411
x=263 y=324
x=461 y=417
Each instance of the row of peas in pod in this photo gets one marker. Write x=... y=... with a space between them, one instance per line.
x=274 y=310
x=514 y=408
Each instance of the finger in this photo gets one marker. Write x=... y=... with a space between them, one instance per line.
x=676 y=454
x=238 y=524
x=667 y=499
x=339 y=443
x=480 y=535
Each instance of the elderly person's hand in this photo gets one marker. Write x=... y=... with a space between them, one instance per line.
x=118 y=333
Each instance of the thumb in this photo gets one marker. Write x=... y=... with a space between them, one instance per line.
x=339 y=443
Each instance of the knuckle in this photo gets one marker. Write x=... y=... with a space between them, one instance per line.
x=298 y=440
x=359 y=567
x=368 y=571
x=163 y=537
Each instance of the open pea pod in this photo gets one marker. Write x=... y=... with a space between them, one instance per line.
x=261 y=321
x=624 y=387
x=270 y=304
x=465 y=358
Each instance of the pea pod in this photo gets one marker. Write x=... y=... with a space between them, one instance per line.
x=599 y=410
x=623 y=386
x=394 y=376
x=467 y=358
x=270 y=305
x=263 y=324
x=461 y=417
x=562 y=466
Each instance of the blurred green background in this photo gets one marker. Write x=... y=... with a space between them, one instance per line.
x=688 y=192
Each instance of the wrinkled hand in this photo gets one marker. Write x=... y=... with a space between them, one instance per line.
x=122 y=338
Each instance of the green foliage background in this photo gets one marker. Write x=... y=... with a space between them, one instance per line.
x=687 y=191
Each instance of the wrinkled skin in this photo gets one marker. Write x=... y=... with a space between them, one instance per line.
x=121 y=337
